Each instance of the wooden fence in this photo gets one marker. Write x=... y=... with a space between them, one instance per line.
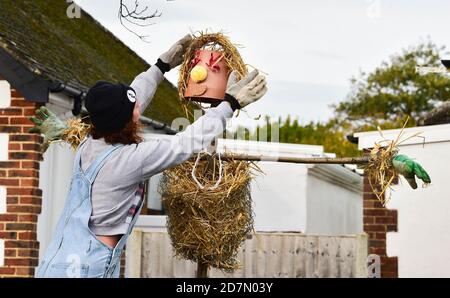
x=149 y=254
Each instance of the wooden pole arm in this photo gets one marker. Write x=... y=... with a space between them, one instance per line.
x=302 y=160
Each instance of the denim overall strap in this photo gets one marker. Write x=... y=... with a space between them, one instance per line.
x=76 y=163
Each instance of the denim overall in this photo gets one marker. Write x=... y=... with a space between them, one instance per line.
x=74 y=250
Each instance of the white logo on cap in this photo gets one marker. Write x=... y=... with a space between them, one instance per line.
x=131 y=95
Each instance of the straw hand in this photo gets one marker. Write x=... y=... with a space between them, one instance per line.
x=409 y=169
x=48 y=124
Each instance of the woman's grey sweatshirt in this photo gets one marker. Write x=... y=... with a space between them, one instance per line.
x=113 y=191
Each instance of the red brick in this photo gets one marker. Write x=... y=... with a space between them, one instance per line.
x=14 y=146
x=381 y=251
x=10 y=129
x=369 y=220
x=2 y=173
x=391 y=228
x=374 y=228
x=7 y=270
x=393 y=214
x=2 y=227
x=25 y=155
x=30 y=165
x=10 y=252
x=8 y=217
x=385 y=274
x=20 y=121
x=8 y=234
x=24 y=191
x=372 y=204
x=21 y=262
x=31 y=147
x=375 y=212
x=29 y=182
x=34 y=138
x=30 y=201
x=28 y=218
x=24 y=209
x=9 y=182
x=12 y=200
x=29 y=173
x=380 y=236
x=20 y=102
x=29 y=111
x=9 y=164
x=382 y=219
x=21 y=244
x=25 y=271
x=4 y=120
x=11 y=112
x=33 y=253
x=26 y=129
x=377 y=243
x=27 y=236
x=21 y=226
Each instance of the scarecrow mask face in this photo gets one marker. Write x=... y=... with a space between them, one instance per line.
x=208 y=77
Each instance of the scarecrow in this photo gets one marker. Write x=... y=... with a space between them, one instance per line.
x=112 y=160
x=207 y=198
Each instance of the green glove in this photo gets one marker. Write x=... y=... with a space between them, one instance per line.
x=47 y=123
x=408 y=168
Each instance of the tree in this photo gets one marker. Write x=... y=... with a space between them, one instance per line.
x=395 y=90
x=384 y=98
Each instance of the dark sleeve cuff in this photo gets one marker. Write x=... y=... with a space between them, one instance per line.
x=163 y=67
x=233 y=102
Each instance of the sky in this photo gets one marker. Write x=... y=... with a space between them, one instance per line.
x=309 y=49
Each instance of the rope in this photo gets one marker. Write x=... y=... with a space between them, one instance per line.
x=201 y=186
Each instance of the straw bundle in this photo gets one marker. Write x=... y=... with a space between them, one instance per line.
x=76 y=131
x=379 y=169
x=208 y=226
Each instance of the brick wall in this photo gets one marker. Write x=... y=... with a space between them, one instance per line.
x=379 y=220
x=20 y=197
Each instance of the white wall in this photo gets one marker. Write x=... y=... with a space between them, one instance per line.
x=422 y=242
x=4 y=141
x=333 y=209
x=54 y=180
x=279 y=197
x=5 y=94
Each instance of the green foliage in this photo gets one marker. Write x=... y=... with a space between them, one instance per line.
x=330 y=135
x=395 y=90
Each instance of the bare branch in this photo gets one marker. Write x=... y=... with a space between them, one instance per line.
x=136 y=16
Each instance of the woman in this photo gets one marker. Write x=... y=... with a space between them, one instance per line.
x=105 y=195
